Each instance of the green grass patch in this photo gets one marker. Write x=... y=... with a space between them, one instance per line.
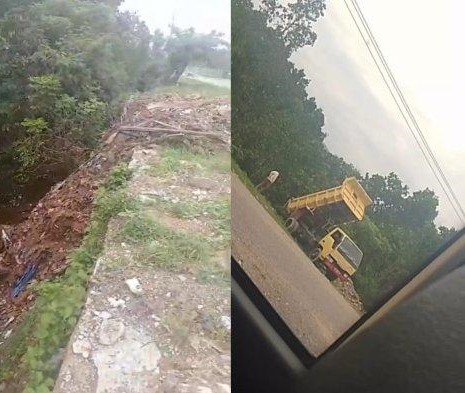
x=177 y=161
x=118 y=178
x=155 y=244
x=214 y=274
x=48 y=326
x=158 y=245
x=16 y=346
x=217 y=214
x=188 y=86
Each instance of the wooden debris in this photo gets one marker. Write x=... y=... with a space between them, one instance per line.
x=159 y=130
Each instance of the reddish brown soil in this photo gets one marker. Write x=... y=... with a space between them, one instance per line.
x=55 y=227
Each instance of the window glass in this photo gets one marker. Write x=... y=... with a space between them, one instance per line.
x=362 y=123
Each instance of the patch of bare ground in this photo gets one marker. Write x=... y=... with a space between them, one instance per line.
x=167 y=329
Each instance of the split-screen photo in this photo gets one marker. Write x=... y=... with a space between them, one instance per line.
x=231 y=196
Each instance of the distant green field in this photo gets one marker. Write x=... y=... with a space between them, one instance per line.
x=187 y=86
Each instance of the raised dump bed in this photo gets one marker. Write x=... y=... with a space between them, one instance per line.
x=345 y=203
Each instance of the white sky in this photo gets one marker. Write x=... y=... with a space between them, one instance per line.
x=204 y=15
x=422 y=43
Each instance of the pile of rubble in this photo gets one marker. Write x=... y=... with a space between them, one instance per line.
x=347 y=289
x=189 y=117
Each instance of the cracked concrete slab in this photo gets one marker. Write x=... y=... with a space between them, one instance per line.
x=172 y=333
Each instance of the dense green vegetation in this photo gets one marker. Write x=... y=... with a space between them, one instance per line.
x=65 y=68
x=274 y=121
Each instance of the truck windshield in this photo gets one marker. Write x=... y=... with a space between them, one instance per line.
x=350 y=251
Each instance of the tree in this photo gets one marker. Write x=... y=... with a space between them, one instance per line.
x=219 y=59
x=68 y=63
x=393 y=203
x=446 y=233
x=294 y=20
x=8 y=5
x=276 y=124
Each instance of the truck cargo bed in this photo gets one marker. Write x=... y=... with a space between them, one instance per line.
x=344 y=203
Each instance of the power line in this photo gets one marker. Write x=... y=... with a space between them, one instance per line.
x=461 y=214
x=438 y=168
x=409 y=112
x=401 y=95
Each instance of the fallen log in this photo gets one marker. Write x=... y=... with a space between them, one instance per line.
x=158 y=130
x=165 y=124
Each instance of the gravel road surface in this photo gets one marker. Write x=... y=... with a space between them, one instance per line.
x=313 y=309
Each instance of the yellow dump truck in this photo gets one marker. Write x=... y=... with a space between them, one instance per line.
x=315 y=219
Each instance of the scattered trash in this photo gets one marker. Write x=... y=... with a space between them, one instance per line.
x=105 y=315
x=190 y=118
x=6 y=239
x=102 y=314
x=134 y=286
x=82 y=347
x=226 y=322
x=22 y=283
x=116 y=302
x=7 y=334
x=60 y=220
x=347 y=289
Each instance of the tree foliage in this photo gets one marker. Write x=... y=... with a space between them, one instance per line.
x=294 y=20
x=65 y=68
x=277 y=126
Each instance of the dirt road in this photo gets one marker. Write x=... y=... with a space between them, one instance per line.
x=303 y=297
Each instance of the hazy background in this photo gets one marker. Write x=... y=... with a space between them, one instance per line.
x=422 y=46
x=204 y=16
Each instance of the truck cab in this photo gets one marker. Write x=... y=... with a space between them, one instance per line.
x=311 y=215
x=339 y=254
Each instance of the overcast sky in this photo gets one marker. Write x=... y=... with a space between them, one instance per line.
x=423 y=46
x=204 y=15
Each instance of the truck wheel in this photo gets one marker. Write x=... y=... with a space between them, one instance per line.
x=292 y=224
